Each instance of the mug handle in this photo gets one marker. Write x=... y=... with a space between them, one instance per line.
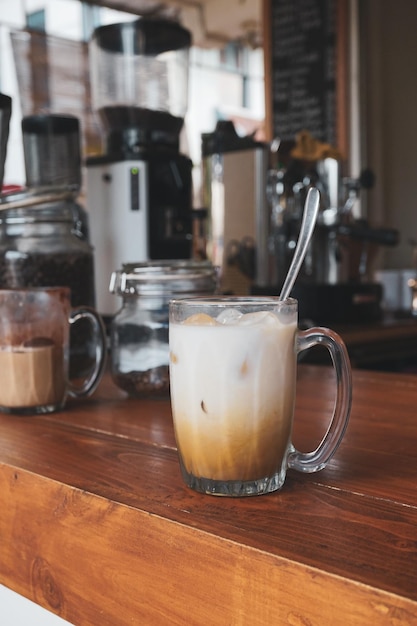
x=319 y=458
x=89 y=385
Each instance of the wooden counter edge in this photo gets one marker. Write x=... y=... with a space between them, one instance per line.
x=353 y=337
x=92 y=560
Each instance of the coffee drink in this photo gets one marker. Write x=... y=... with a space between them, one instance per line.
x=233 y=364
x=35 y=329
x=232 y=392
x=32 y=375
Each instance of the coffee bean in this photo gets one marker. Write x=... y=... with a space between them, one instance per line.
x=72 y=270
x=152 y=383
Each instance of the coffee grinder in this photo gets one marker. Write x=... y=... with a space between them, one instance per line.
x=139 y=191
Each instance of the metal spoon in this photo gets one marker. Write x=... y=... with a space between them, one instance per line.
x=311 y=209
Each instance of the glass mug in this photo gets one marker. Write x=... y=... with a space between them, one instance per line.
x=233 y=363
x=34 y=349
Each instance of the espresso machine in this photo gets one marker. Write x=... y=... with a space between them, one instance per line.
x=255 y=194
x=139 y=190
x=336 y=284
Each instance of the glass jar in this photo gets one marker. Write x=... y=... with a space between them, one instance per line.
x=44 y=246
x=139 y=331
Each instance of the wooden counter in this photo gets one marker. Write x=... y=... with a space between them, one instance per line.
x=97 y=526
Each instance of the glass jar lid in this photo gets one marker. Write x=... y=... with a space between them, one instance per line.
x=164 y=278
x=38 y=205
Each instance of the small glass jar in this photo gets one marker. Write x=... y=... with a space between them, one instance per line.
x=139 y=331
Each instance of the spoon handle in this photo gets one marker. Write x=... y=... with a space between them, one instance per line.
x=311 y=209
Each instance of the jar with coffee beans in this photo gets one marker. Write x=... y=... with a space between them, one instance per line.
x=139 y=331
x=44 y=244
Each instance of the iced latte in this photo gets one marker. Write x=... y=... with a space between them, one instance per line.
x=232 y=392
x=233 y=375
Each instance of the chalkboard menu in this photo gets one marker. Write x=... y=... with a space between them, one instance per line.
x=303 y=50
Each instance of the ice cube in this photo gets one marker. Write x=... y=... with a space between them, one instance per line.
x=259 y=317
x=229 y=316
x=200 y=319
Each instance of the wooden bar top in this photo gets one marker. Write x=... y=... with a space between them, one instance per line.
x=97 y=526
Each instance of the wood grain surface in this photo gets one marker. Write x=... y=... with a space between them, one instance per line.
x=97 y=526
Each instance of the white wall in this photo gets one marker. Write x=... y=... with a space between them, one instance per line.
x=389 y=59
x=15 y=610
